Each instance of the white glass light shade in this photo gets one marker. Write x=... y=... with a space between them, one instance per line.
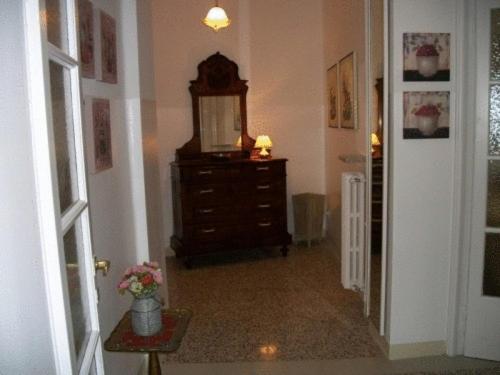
x=264 y=143
x=217 y=18
x=375 y=140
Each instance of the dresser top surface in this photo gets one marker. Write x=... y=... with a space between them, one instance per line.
x=201 y=162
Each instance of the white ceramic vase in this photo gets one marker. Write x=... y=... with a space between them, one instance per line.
x=427 y=65
x=427 y=124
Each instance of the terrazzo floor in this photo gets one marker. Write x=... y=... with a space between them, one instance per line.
x=259 y=306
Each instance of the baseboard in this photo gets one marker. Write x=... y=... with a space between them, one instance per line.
x=379 y=340
x=144 y=366
x=418 y=349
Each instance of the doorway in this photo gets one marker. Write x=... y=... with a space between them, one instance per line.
x=377 y=164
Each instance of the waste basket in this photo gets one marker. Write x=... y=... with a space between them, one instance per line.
x=308 y=213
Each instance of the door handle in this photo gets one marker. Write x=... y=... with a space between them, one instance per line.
x=102 y=265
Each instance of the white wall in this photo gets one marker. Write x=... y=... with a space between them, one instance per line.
x=277 y=46
x=117 y=195
x=344 y=26
x=25 y=344
x=422 y=191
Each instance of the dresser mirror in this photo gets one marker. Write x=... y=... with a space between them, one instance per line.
x=220 y=123
x=219 y=113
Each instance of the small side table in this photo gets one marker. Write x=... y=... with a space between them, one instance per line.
x=123 y=339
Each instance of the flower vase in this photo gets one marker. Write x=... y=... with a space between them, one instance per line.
x=146 y=315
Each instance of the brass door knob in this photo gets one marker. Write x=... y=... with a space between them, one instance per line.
x=102 y=265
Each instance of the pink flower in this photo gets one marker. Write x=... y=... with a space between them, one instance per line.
x=157 y=277
x=124 y=284
x=427 y=50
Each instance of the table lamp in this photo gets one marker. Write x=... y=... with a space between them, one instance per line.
x=264 y=143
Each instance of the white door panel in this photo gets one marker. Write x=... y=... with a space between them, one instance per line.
x=55 y=111
x=482 y=338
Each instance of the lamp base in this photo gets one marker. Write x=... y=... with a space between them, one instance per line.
x=264 y=154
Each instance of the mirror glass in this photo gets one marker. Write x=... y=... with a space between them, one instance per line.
x=220 y=123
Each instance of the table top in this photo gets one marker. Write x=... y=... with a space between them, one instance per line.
x=174 y=326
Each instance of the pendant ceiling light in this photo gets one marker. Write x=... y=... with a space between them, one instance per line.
x=217 y=18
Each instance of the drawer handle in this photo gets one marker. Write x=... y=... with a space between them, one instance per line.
x=264 y=225
x=264 y=206
x=260 y=169
x=263 y=187
x=206 y=231
x=201 y=173
x=207 y=191
x=207 y=211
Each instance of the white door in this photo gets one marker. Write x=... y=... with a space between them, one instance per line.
x=56 y=117
x=482 y=338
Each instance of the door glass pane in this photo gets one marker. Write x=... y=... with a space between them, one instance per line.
x=55 y=17
x=495 y=45
x=64 y=140
x=493 y=206
x=74 y=257
x=494 y=133
x=491 y=275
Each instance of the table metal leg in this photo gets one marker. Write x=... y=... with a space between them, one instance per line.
x=154 y=364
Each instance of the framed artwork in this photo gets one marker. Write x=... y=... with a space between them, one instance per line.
x=347 y=92
x=332 y=77
x=108 y=49
x=426 y=56
x=101 y=134
x=86 y=34
x=426 y=114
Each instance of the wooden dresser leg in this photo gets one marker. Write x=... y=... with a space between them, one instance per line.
x=284 y=251
x=154 y=364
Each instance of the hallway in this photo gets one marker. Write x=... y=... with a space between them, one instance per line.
x=260 y=306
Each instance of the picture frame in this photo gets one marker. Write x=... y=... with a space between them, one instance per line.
x=109 y=67
x=426 y=114
x=348 y=116
x=332 y=77
x=100 y=147
x=426 y=57
x=86 y=36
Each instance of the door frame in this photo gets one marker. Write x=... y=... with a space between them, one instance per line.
x=368 y=164
x=38 y=54
x=465 y=58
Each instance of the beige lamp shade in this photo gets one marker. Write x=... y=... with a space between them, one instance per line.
x=375 y=140
x=217 y=18
x=264 y=143
x=238 y=142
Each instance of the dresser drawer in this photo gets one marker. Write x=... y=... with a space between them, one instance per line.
x=265 y=207
x=264 y=170
x=203 y=174
x=267 y=189
x=209 y=214
x=205 y=195
x=209 y=233
x=261 y=231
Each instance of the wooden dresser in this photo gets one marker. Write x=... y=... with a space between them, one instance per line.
x=230 y=205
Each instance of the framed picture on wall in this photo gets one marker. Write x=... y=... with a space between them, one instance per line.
x=108 y=49
x=347 y=92
x=86 y=34
x=426 y=57
x=100 y=152
x=332 y=77
x=426 y=114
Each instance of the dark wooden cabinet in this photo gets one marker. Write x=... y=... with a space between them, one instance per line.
x=230 y=205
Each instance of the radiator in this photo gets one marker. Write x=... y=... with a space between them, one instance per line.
x=353 y=230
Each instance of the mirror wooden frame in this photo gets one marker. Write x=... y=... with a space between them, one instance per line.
x=217 y=76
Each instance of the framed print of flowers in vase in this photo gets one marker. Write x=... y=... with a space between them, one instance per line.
x=332 y=76
x=426 y=57
x=347 y=92
x=426 y=114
